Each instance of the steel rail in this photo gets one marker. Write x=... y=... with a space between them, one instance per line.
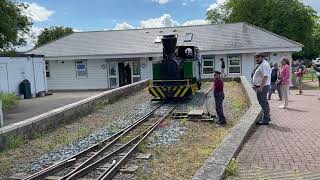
x=107 y=157
x=109 y=173
x=72 y=160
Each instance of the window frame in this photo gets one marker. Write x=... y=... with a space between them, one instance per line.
x=208 y=58
x=158 y=39
x=47 y=68
x=135 y=75
x=230 y=66
x=189 y=39
x=110 y=76
x=84 y=62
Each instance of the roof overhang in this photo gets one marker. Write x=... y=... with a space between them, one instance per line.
x=104 y=56
x=253 y=50
x=158 y=54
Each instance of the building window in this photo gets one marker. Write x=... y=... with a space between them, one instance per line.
x=158 y=39
x=188 y=37
x=208 y=65
x=81 y=69
x=135 y=71
x=234 y=64
x=113 y=74
x=47 y=69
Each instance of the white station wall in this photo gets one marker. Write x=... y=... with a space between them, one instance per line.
x=63 y=75
x=15 y=69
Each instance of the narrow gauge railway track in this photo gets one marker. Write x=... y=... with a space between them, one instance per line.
x=103 y=160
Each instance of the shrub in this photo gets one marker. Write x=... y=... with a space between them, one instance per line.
x=9 y=100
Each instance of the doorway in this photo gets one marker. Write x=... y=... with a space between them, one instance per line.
x=124 y=73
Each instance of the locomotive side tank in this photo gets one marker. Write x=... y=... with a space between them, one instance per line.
x=178 y=74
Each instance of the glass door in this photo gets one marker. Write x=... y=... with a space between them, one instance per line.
x=113 y=75
x=136 y=75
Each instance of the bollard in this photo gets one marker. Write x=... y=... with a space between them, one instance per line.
x=1 y=114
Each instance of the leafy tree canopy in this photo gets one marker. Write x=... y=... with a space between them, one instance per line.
x=13 y=25
x=52 y=33
x=289 y=18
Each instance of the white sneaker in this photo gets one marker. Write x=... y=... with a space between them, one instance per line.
x=281 y=107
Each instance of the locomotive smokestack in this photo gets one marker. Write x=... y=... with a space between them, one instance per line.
x=169 y=43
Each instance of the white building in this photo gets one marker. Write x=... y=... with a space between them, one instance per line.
x=13 y=70
x=107 y=59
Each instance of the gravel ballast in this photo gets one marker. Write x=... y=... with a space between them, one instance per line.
x=64 y=141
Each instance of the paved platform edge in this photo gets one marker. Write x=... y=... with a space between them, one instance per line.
x=65 y=114
x=214 y=168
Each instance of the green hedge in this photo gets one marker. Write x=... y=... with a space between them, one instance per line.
x=9 y=100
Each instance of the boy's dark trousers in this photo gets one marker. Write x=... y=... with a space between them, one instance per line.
x=219 y=97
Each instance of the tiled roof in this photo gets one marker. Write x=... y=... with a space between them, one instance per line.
x=138 y=41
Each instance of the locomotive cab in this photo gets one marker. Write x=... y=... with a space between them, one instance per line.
x=178 y=74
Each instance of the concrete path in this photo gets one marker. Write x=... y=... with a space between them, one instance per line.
x=289 y=148
x=32 y=107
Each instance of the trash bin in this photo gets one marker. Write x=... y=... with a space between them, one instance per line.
x=25 y=89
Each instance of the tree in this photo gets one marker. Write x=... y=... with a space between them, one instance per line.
x=13 y=25
x=52 y=33
x=289 y=18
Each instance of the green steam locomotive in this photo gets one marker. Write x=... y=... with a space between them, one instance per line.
x=178 y=75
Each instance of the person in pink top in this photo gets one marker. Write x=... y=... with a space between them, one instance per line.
x=285 y=76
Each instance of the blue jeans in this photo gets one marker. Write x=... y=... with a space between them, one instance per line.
x=272 y=87
x=219 y=97
x=263 y=101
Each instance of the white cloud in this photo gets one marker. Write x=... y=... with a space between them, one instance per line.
x=124 y=25
x=161 y=2
x=195 y=22
x=37 y=12
x=187 y=2
x=163 y=21
x=76 y=30
x=216 y=4
x=30 y=38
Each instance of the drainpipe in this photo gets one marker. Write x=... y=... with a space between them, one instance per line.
x=1 y=115
x=34 y=78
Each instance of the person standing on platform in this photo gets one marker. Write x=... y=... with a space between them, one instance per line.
x=285 y=82
x=317 y=69
x=275 y=73
x=261 y=82
x=218 y=96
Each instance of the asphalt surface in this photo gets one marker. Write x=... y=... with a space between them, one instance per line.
x=29 y=108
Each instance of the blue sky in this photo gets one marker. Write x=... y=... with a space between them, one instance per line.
x=90 y=15
x=106 y=14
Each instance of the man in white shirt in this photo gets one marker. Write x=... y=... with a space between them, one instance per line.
x=261 y=82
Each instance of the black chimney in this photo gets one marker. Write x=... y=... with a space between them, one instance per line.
x=169 y=43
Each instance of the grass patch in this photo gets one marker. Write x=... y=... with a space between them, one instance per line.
x=232 y=168
x=14 y=142
x=184 y=122
x=9 y=100
x=101 y=104
x=183 y=159
x=311 y=75
x=83 y=132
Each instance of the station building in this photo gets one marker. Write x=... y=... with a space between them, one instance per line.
x=109 y=59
